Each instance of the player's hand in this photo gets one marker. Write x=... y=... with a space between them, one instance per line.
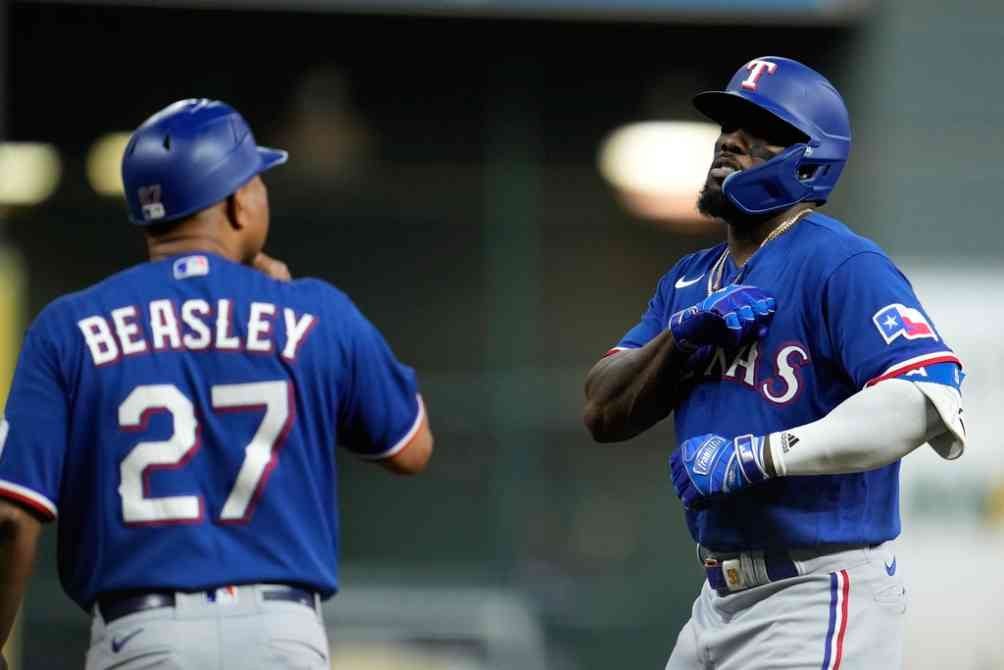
x=272 y=267
x=727 y=318
x=710 y=465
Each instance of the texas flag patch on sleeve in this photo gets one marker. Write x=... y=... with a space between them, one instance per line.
x=897 y=320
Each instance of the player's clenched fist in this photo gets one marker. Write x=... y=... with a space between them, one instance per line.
x=272 y=267
x=726 y=318
x=711 y=465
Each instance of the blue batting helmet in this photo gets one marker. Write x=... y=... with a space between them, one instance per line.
x=188 y=156
x=805 y=100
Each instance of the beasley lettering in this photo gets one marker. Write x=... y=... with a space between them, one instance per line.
x=196 y=326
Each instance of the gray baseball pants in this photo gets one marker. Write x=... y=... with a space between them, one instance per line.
x=233 y=629
x=844 y=611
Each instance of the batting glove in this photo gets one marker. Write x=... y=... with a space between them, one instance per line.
x=726 y=318
x=711 y=465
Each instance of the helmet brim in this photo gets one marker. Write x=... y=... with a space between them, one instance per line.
x=731 y=108
x=271 y=158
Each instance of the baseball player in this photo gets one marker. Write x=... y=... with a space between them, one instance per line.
x=800 y=368
x=180 y=418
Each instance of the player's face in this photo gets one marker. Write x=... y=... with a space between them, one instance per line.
x=743 y=144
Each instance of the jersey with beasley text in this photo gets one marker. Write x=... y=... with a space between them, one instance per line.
x=180 y=417
x=846 y=318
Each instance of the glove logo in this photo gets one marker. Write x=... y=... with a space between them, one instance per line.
x=705 y=456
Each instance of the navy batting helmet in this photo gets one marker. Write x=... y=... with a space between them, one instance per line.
x=805 y=100
x=188 y=156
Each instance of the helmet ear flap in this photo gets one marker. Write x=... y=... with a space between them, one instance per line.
x=809 y=172
x=774 y=185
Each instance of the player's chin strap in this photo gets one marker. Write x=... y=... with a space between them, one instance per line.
x=781 y=182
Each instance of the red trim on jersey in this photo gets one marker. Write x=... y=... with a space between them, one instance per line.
x=25 y=501
x=933 y=359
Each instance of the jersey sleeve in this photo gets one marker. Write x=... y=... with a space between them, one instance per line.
x=653 y=321
x=876 y=326
x=33 y=433
x=380 y=408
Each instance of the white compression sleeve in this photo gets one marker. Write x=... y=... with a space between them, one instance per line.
x=874 y=427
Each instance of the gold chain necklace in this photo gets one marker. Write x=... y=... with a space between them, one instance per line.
x=715 y=278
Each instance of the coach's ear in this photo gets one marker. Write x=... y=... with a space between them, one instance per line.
x=238 y=210
x=232 y=210
x=243 y=205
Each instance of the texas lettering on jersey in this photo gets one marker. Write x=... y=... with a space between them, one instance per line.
x=777 y=379
x=196 y=326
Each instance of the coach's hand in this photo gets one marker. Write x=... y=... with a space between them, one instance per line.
x=272 y=267
x=711 y=465
x=726 y=318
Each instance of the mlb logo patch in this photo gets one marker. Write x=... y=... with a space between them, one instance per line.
x=898 y=320
x=191 y=266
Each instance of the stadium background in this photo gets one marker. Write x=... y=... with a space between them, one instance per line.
x=444 y=172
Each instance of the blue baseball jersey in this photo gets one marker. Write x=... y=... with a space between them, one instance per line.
x=846 y=318
x=181 y=419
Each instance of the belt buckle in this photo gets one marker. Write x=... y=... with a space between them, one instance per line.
x=733 y=573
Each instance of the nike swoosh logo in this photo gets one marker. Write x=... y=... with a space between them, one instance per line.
x=683 y=282
x=891 y=569
x=118 y=643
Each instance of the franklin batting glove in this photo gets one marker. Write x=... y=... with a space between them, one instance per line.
x=726 y=318
x=711 y=465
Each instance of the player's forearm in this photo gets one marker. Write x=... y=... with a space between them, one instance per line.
x=630 y=391
x=19 y=532
x=873 y=428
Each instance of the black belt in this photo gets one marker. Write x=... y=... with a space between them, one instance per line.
x=729 y=576
x=115 y=606
x=731 y=572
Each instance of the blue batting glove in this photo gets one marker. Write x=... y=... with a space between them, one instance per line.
x=727 y=318
x=711 y=465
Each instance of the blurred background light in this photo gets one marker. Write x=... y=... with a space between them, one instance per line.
x=659 y=167
x=29 y=172
x=104 y=163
